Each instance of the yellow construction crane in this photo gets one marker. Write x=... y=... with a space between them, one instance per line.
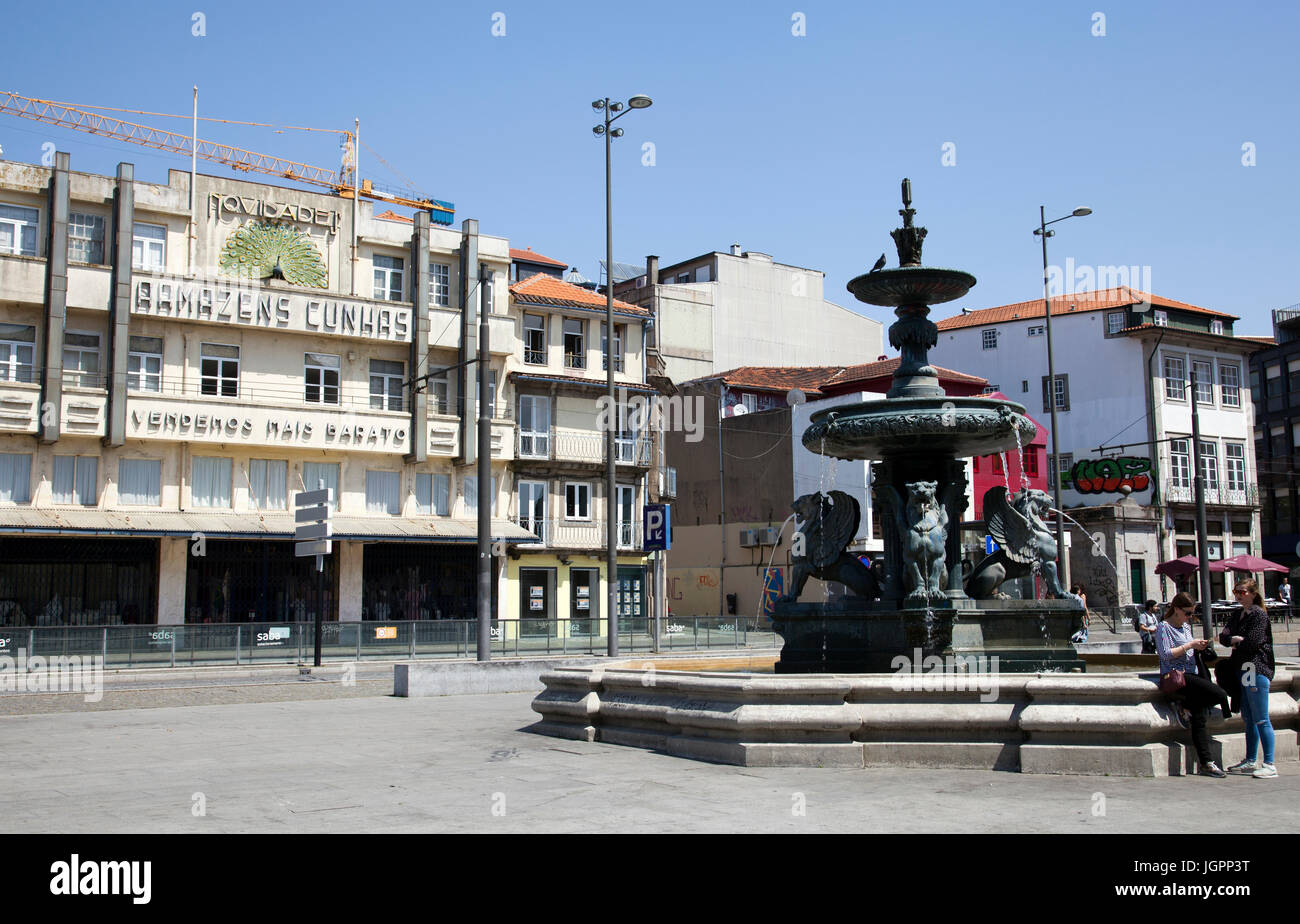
x=341 y=182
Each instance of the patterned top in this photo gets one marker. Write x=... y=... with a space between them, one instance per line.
x=1257 y=639
x=1169 y=638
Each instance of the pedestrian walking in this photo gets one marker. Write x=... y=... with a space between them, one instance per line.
x=1251 y=637
x=1145 y=623
x=1183 y=680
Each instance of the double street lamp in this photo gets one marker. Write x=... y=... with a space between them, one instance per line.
x=1062 y=559
x=613 y=110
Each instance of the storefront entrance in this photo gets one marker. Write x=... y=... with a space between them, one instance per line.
x=630 y=595
x=417 y=580
x=584 y=601
x=78 y=582
x=536 y=602
x=256 y=581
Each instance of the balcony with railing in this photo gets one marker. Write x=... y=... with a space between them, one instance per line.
x=586 y=535
x=1218 y=494
x=560 y=444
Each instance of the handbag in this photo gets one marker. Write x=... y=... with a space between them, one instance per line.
x=1172 y=682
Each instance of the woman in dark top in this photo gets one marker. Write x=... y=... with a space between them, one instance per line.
x=1177 y=647
x=1251 y=638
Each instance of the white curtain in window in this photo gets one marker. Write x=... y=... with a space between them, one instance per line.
x=87 y=481
x=471 y=496
x=267 y=478
x=64 y=471
x=211 y=486
x=15 y=477
x=139 y=481
x=383 y=492
x=424 y=493
x=441 y=495
x=313 y=473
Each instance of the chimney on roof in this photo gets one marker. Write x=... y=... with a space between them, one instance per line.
x=735 y=250
x=651 y=270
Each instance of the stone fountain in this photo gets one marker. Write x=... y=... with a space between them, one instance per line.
x=918 y=439
x=996 y=684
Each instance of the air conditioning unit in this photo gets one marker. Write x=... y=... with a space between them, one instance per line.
x=749 y=538
x=769 y=536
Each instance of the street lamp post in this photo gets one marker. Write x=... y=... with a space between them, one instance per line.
x=612 y=110
x=1062 y=559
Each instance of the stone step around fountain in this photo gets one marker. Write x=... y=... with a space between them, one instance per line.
x=1118 y=724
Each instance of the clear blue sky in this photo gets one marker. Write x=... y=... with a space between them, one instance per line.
x=790 y=145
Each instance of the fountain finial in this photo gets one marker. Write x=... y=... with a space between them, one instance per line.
x=908 y=239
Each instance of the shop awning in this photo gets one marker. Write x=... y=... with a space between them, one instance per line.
x=72 y=521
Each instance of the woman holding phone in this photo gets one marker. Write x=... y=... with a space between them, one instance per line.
x=1251 y=638
x=1177 y=649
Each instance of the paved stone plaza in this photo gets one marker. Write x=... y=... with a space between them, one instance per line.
x=283 y=755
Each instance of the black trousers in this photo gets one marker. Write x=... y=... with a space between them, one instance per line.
x=1198 y=695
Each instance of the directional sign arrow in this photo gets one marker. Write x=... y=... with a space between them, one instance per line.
x=311 y=514
x=309 y=531
x=311 y=498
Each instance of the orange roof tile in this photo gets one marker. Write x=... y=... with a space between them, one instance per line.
x=1077 y=303
x=884 y=367
x=528 y=255
x=778 y=378
x=543 y=289
x=390 y=215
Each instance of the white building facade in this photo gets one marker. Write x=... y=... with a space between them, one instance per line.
x=175 y=369
x=1123 y=361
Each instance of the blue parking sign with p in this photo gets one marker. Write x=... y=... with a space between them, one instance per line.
x=657 y=528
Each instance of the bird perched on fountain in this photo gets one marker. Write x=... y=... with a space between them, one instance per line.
x=880 y=264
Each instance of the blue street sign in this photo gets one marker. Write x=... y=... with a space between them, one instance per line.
x=989 y=545
x=657 y=528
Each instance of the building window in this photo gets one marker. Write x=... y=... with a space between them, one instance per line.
x=997 y=465
x=144 y=364
x=1062 y=392
x=81 y=359
x=683 y=277
x=219 y=370
x=148 y=246
x=386 y=378
x=438 y=393
x=534 y=426
x=321 y=375
x=471 y=495
x=1029 y=464
x=1230 y=384
x=535 y=339
x=317 y=475
x=85 y=238
x=577 y=500
x=575 y=344
x=1180 y=463
x=1160 y=318
x=432 y=492
x=268 y=481
x=18 y=230
x=1063 y=464
x=626 y=503
x=1234 y=461
x=532 y=507
x=989 y=339
x=1216 y=327
x=139 y=482
x=211 y=482
x=1024 y=386
x=670 y=481
x=388 y=277
x=17 y=348
x=384 y=492
x=620 y=331
x=1204 y=374
x=439 y=285
x=1210 y=464
x=1114 y=322
x=15 y=478
x=1175 y=379
x=489 y=293
x=1036 y=330
x=76 y=480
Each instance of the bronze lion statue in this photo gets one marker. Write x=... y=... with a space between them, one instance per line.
x=828 y=523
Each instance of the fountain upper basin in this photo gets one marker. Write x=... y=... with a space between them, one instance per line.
x=956 y=427
x=911 y=285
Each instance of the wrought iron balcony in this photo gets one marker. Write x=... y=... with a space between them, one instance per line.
x=587 y=535
x=563 y=445
x=1219 y=494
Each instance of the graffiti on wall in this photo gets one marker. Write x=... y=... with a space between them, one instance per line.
x=773 y=588
x=1107 y=476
